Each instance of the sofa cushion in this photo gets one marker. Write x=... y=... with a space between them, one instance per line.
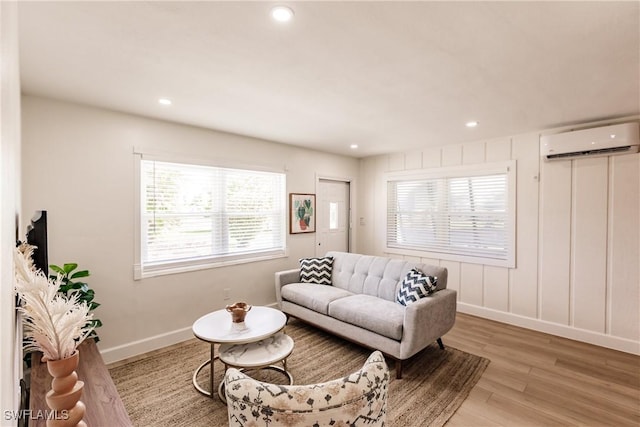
x=416 y=285
x=375 y=314
x=316 y=270
x=312 y=296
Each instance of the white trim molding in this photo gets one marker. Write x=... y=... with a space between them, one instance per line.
x=145 y=345
x=573 y=333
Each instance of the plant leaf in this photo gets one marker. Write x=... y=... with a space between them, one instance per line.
x=65 y=288
x=78 y=274
x=68 y=268
x=56 y=269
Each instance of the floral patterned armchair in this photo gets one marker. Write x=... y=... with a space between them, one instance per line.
x=359 y=399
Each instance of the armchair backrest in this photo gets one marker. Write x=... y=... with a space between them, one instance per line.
x=357 y=399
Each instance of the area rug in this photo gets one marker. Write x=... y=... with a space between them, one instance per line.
x=157 y=390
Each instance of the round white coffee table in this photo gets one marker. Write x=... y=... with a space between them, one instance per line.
x=217 y=328
x=263 y=354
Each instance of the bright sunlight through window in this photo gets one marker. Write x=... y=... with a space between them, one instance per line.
x=464 y=214
x=194 y=215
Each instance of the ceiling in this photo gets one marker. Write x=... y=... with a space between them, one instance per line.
x=387 y=76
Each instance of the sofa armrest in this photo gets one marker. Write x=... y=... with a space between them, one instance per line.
x=427 y=320
x=284 y=278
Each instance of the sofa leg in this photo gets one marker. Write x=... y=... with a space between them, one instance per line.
x=398 y=369
x=440 y=343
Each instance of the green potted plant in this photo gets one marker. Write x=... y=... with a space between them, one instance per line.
x=70 y=286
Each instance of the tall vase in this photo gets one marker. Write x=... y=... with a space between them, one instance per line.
x=64 y=396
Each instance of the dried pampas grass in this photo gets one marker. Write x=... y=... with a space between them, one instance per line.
x=54 y=324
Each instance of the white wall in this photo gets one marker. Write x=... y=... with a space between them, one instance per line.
x=78 y=164
x=578 y=240
x=10 y=340
x=578 y=231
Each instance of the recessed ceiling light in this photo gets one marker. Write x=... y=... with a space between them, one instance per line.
x=353 y=146
x=282 y=13
x=164 y=101
x=471 y=124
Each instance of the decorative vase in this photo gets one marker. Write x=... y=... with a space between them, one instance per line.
x=64 y=396
x=238 y=311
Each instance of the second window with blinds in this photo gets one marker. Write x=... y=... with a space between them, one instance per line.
x=196 y=216
x=464 y=213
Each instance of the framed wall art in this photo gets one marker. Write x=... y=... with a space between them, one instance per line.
x=302 y=213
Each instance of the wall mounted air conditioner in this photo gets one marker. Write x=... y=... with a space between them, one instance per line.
x=600 y=141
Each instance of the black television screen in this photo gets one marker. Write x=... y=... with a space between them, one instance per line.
x=37 y=236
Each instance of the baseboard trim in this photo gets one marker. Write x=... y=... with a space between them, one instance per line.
x=136 y=348
x=602 y=340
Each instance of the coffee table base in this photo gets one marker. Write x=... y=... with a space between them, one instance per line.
x=195 y=380
x=197 y=371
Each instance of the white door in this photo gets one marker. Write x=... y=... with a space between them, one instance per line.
x=333 y=216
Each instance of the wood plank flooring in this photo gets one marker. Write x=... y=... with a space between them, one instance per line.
x=104 y=406
x=536 y=379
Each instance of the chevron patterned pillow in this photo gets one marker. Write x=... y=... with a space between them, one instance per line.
x=316 y=270
x=416 y=285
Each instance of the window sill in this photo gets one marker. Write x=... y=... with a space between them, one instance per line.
x=140 y=274
x=451 y=257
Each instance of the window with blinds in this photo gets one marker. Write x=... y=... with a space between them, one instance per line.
x=464 y=214
x=193 y=215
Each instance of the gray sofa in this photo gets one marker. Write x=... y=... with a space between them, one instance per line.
x=360 y=304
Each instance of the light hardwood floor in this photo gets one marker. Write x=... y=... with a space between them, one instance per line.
x=535 y=379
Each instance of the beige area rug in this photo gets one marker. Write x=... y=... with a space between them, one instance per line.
x=157 y=390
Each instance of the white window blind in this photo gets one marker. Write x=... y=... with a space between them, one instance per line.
x=192 y=214
x=461 y=215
